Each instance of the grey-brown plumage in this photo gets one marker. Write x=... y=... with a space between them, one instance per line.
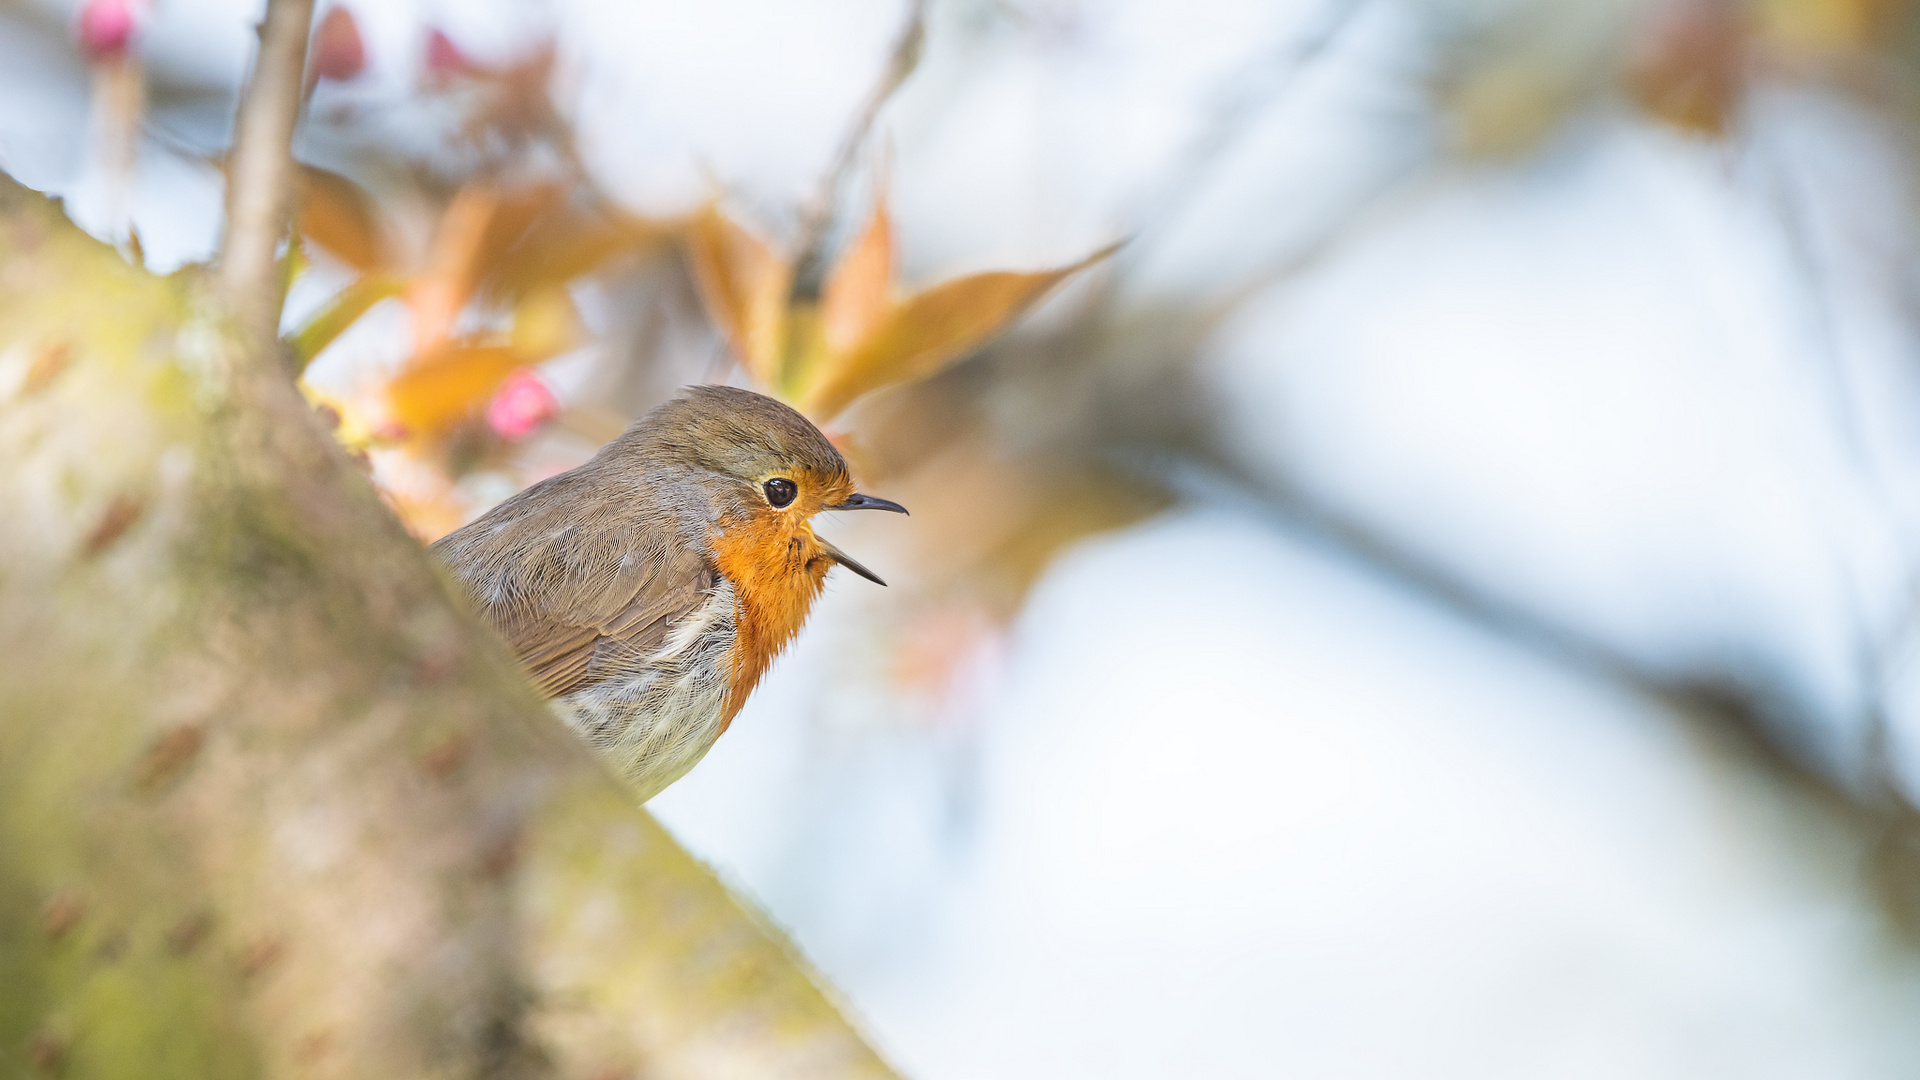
x=647 y=590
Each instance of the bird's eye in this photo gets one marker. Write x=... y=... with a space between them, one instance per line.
x=780 y=491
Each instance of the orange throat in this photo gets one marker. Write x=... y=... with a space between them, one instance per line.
x=776 y=568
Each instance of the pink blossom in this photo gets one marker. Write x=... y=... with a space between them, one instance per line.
x=106 y=27
x=338 y=51
x=521 y=404
x=444 y=58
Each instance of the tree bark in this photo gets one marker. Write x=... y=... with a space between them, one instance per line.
x=273 y=804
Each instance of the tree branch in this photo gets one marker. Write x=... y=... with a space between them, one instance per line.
x=1238 y=102
x=255 y=763
x=260 y=175
x=817 y=216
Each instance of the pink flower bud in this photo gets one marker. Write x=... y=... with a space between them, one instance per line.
x=392 y=432
x=444 y=58
x=106 y=27
x=338 y=51
x=521 y=404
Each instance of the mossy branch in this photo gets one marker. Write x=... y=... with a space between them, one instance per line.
x=271 y=803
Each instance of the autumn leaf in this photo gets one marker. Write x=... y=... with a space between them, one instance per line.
x=743 y=284
x=557 y=244
x=459 y=378
x=437 y=296
x=858 y=338
x=510 y=253
x=340 y=216
x=1690 y=65
x=926 y=332
x=514 y=217
x=451 y=384
x=859 y=291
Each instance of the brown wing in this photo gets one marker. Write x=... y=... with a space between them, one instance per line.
x=562 y=653
x=576 y=600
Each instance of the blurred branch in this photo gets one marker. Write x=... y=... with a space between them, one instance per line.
x=1872 y=646
x=1760 y=722
x=1236 y=104
x=816 y=218
x=260 y=173
x=1791 y=214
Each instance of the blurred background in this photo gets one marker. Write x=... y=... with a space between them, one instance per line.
x=1442 y=599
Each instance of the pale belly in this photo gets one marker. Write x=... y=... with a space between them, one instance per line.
x=656 y=723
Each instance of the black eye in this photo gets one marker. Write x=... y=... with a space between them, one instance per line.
x=780 y=491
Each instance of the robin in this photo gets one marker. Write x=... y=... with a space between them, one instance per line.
x=647 y=590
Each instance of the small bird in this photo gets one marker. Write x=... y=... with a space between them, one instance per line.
x=648 y=589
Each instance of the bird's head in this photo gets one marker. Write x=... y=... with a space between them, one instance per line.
x=766 y=470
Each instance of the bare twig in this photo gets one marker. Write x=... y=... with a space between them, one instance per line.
x=1874 y=645
x=817 y=216
x=1239 y=100
x=260 y=175
x=1762 y=712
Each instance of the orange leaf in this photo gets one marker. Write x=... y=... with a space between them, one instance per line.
x=453 y=383
x=930 y=330
x=518 y=218
x=743 y=285
x=564 y=244
x=340 y=216
x=453 y=267
x=859 y=291
x=1691 y=65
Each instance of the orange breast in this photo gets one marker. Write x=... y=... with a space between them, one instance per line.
x=776 y=569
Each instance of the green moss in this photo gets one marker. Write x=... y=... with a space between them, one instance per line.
x=92 y=968
x=147 y=1011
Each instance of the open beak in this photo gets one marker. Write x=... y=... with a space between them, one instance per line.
x=849 y=561
x=858 y=501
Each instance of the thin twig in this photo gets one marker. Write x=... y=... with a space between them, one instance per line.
x=1874 y=645
x=260 y=173
x=816 y=217
x=1769 y=719
x=1240 y=99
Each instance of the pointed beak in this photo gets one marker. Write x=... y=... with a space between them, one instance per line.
x=866 y=502
x=849 y=561
x=857 y=501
